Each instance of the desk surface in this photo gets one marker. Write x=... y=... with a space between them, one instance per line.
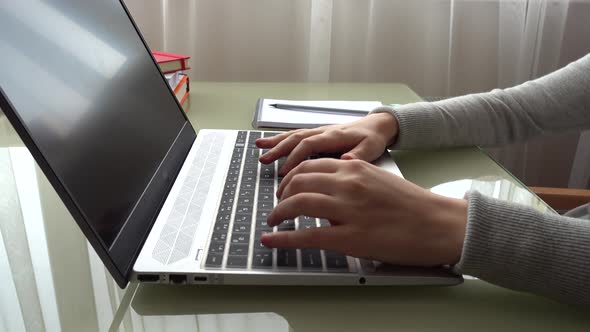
x=54 y=281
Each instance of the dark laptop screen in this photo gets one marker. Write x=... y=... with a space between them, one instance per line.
x=92 y=100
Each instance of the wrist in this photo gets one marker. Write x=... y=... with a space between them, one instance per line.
x=387 y=126
x=450 y=217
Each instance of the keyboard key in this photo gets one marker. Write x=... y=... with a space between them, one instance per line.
x=227 y=201
x=266 y=190
x=242 y=228
x=267 y=170
x=265 y=206
x=223 y=217
x=231 y=186
x=229 y=193
x=258 y=246
x=266 y=197
x=214 y=260
x=367 y=265
x=324 y=223
x=336 y=261
x=259 y=232
x=253 y=153
x=246 y=200
x=249 y=172
x=248 y=186
x=306 y=222
x=221 y=227
x=286 y=257
x=311 y=258
x=267 y=183
x=262 y=260
x=249 y=179
x=244 y=209
x=241 y=139
x=255 y=134
x=251 y=166
x=217 y=247
x=243 y=218
x=287 y=225
x=246 y=193
x=261 y=222
x=226 y=209
x=219 y=237
x=262 y=214
x=267 y=176
x=239 y=238
x=237 y=261
x=238 y=249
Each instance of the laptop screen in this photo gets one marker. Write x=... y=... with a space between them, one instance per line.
x=88 y=93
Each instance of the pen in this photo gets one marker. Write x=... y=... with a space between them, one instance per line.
x=315 y=109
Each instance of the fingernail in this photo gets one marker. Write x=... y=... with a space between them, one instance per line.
x=346 y=157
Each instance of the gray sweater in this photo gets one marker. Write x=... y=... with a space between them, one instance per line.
x=508 y=244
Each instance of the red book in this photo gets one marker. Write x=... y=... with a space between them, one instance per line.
x=170 y=62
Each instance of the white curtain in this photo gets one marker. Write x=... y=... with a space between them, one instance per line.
x=440 y=48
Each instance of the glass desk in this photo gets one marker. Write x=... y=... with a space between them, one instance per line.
x=53 y=280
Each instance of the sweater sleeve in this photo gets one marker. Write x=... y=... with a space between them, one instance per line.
x=553 y=103
x=520 y=248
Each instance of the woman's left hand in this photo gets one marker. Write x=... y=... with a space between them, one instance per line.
x=374 y=214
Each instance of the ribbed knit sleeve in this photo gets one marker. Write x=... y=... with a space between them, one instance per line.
x=508 y=244
x=554 y=103
x=523 y=249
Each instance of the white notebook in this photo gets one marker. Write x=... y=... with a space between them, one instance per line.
x=267 y=116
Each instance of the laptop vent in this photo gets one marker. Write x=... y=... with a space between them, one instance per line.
x=178 y=233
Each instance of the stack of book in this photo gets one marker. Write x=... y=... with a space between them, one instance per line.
x=173 y=66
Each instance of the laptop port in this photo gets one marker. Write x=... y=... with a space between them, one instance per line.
x=177 y=278
x=362 y=280
x=200 y=279
x=148 y=277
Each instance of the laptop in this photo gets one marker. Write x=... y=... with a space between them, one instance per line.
x=158 y=202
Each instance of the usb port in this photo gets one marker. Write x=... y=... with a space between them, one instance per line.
x=177 y=278
x=148 y=277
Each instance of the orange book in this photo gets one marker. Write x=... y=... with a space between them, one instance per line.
x=170 y=62
x=181 y=90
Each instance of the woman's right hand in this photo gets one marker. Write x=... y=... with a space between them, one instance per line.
x=364 y=139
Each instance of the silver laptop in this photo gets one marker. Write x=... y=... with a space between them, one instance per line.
x=158 y=202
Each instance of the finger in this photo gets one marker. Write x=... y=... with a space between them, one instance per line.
x=269 y=142
x=309 y=166
x=332 y=141
x=327 y=238
x=321 y=183
x=363 y=151
x=306 y=204
x=285 y=146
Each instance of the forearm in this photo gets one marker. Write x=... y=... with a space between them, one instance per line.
x=553 y=103
x=520 y=248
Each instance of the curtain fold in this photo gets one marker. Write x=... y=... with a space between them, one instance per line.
x=440 y=48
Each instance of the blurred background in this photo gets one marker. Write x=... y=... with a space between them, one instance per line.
x=440 y=48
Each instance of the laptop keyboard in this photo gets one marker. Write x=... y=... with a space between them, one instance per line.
x=247 y=199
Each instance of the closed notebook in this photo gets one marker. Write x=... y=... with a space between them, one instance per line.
x=181 y=90
x=267 y=116
x=170 y=62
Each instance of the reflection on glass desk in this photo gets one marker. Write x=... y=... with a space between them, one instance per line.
x=53 y=280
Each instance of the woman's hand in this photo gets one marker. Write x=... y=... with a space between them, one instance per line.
x=364 y=139
x=374 y=214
